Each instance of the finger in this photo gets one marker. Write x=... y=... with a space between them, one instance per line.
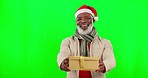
x=65 y=68
x=100 y=61
x=101 y=64
x=67 y=65
x=67 y=59
x=101 y=69
x=97 y=70
x=68 y=69
x=65 y=62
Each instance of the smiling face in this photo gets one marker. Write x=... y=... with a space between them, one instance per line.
x=84 y=20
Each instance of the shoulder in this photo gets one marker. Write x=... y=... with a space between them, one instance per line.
x=103 y=40
x=69 y=39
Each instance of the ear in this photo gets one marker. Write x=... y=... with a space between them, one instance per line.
x=77 y=22
x=93 y=20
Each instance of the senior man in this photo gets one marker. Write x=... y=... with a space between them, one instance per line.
x=86 y=42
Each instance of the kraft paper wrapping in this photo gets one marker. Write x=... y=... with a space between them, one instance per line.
x=83 y=63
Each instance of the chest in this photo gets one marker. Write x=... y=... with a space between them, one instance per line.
x=96 y=48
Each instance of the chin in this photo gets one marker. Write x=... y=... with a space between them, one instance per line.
x=84 y=31
x=84 y=28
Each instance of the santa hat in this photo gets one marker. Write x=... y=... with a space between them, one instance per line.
x=87 y=9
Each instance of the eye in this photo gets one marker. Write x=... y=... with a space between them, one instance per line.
x=87 y=18
x=78 y=19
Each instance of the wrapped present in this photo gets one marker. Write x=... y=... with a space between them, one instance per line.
x=83 y=63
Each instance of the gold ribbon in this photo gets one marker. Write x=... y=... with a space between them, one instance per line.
x=81 y=62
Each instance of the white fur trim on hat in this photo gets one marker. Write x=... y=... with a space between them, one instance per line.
x=96 y=18
x=85 y=10
x=82 y=11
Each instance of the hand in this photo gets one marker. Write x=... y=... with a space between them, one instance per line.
x=101 y=67
x=65 y=65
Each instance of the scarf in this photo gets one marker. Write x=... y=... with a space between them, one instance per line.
x=84 y=50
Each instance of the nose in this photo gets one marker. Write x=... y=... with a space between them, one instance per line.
x=83 y=20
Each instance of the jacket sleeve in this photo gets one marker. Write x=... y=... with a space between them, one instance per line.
x=108 y=56
x=64 y=51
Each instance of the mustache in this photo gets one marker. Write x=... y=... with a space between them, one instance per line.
x=79 y=24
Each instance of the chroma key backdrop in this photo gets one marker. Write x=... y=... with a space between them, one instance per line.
x=31 y=32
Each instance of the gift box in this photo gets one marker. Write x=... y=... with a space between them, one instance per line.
x=83 y=63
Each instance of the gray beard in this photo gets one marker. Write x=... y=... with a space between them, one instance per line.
x=84 y=32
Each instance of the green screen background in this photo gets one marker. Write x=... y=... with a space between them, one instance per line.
x=31 y=32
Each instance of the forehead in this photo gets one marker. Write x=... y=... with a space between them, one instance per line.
x=85 y=14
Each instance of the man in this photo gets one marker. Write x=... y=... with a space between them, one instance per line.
x=85 y=42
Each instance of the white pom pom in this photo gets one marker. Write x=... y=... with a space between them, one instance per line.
x=96 y=18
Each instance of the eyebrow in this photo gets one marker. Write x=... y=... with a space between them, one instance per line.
x=84 y=16
x=79 y=17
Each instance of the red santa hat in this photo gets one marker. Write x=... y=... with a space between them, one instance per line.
x=87 y=9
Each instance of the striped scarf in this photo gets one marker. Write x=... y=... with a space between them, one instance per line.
x=84 y=51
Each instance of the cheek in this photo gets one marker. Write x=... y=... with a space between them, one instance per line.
x=77 y=22
x=90 y=22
